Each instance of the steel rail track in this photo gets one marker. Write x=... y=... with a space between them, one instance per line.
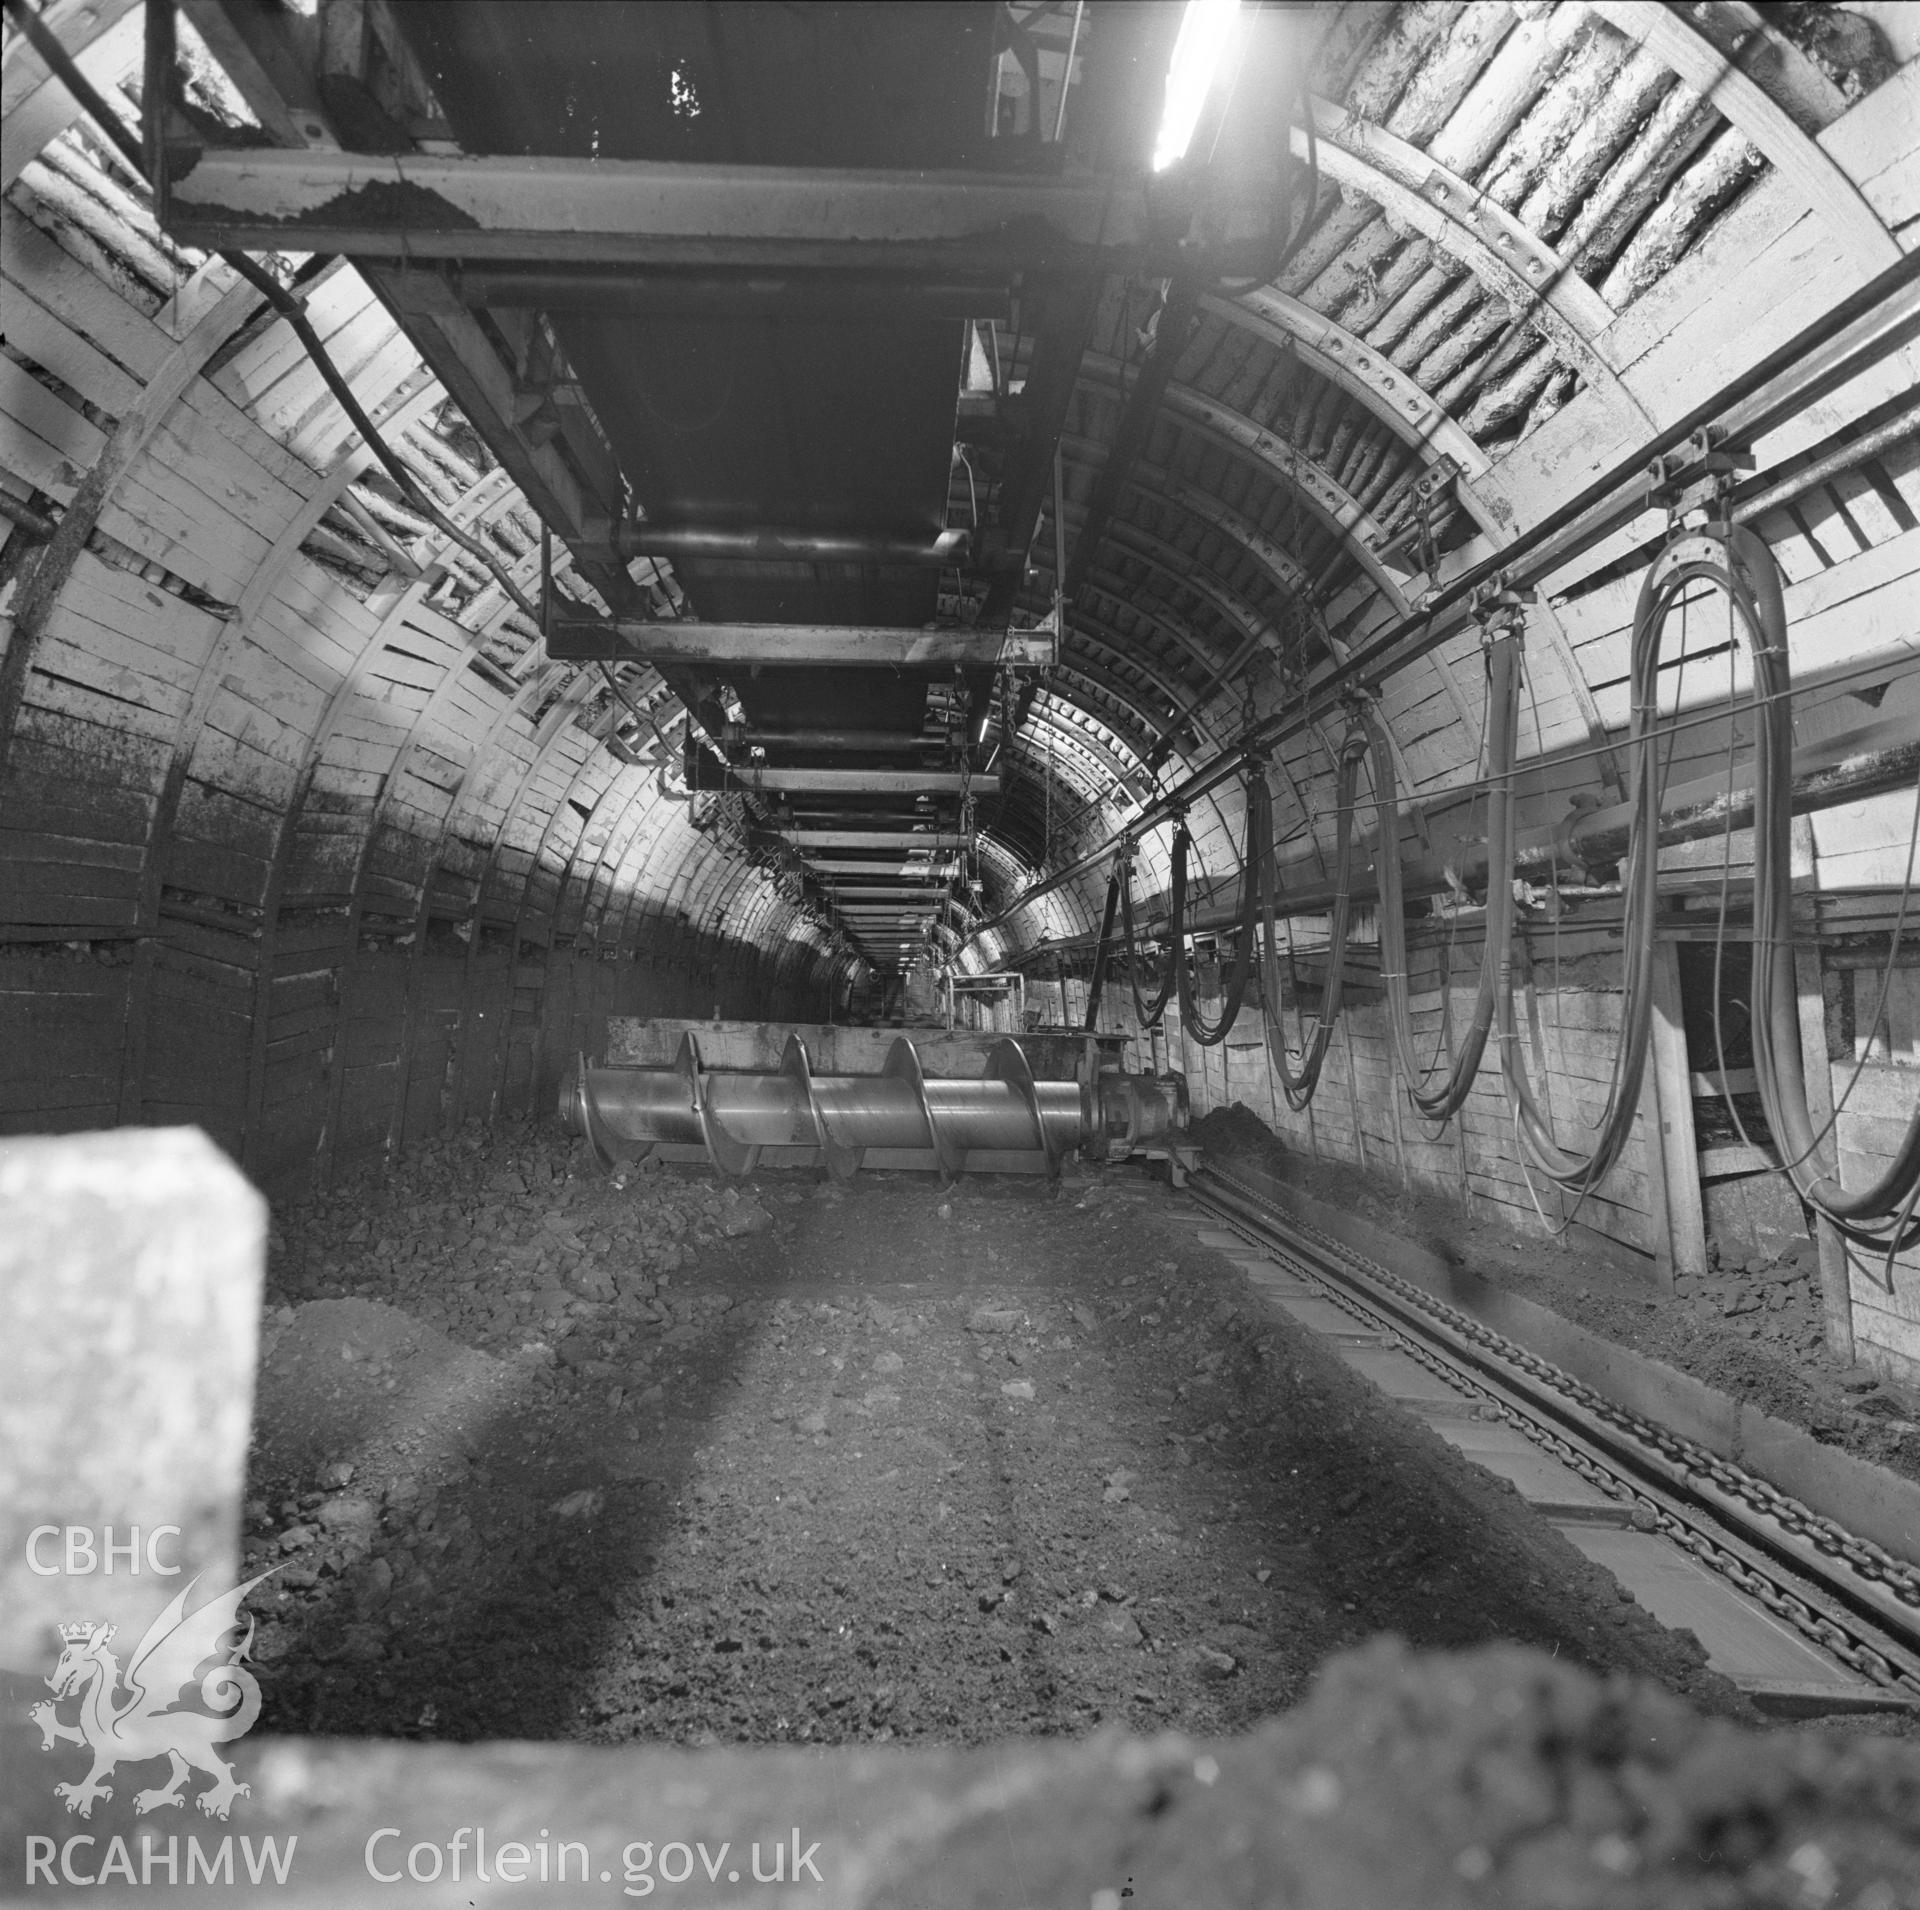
x=1854 y=1600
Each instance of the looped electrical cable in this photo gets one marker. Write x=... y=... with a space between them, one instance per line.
x=1442 y=1102
x=1298 y=1085
x=1737 y=562
x=1254 y=858
x=1148 y=1011
x=1580 y=1173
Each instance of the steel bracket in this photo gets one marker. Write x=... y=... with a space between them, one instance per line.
x=1693 y=482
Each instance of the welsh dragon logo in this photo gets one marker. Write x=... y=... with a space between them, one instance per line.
x=141 y=1724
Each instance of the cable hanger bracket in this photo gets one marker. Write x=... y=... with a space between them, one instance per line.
x=1500 y=610
x=1694 y=481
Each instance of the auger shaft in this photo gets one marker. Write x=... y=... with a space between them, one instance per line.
x=838 y=1119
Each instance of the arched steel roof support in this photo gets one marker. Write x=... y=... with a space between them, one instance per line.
x=1088 y=627
x=1509 y=259
x=1159 y=486
x=1346 y=359
x=1275 y=458
x=1094 y=746
x=1795 y=155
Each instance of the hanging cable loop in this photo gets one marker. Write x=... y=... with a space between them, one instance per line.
x=1581 y=1172
x=1736 y=561
x=1299 y=1084
x=1148 y=1010
x=1442 y=1100
x=1254 y=857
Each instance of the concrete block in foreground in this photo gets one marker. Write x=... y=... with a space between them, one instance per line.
x=130 y=1278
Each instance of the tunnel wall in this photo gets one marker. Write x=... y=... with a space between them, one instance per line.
x=1850 y=552
x=320 y=857
x=316 y=862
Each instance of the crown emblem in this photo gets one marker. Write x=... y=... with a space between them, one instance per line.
x=77 y=1634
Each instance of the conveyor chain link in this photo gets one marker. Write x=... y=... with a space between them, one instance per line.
x=1866 y=1559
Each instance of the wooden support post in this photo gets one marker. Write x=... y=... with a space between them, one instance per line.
x=1836 y=1263
x=1836 y=1270
x=1353 y=1092
x=1458 y=1125
x=1186 y=1059
x=1543 y=1060
x=1678 y=1157
x=1659 y=1208
x=1399 y=1133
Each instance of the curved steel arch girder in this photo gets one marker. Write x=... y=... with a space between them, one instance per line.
x=615 y=899
x=1113 y=588
x=717 y=872
x=636 y=908
x=1364 y=373
x=1090 y=797
x=1163 y=560
x=1091 y=681
x=582 y=781
x=1196 y=701
x=655 y=813
x=1098 y=634
x=627 y=829
x=1796 y=155
x=1279 y=563
x=1274 y=458
x=1111 y=642
x=590 y=848
x=1076 y=905
x=1082 y=776
x=1159 y=486
x=713 y=872
x=1479 y=235
x=1093 y=745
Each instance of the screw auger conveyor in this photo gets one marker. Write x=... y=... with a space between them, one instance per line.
x=1003 y=1122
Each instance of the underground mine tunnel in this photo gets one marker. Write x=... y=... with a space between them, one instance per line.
x=960 y=953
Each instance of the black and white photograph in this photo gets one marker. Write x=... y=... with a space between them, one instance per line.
x=960 y=954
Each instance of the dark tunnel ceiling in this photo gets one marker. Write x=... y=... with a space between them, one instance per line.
x=746 y=420
x=1470 y=157
x=727 y=421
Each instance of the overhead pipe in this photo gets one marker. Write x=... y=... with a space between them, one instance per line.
x=756 y=544
x=1871 y=761
x=1845 y=457
x=853 y=742
x=36 y=526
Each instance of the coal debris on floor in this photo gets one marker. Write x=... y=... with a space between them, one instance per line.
x=544 y=1454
